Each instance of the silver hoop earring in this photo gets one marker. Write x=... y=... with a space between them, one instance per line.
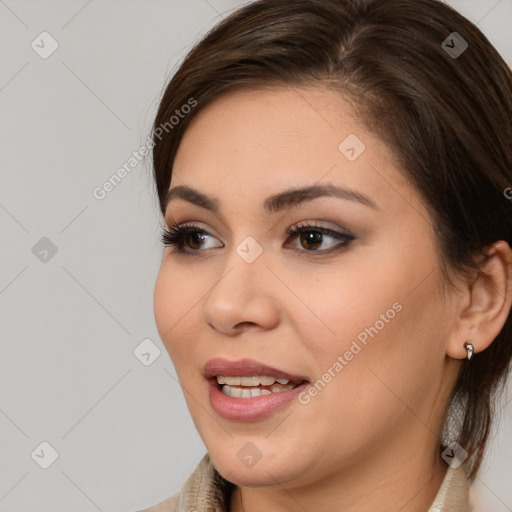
x=470 y=349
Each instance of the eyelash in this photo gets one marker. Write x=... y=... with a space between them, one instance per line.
x=175 y=237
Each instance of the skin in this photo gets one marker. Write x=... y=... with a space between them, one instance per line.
x=369 y=440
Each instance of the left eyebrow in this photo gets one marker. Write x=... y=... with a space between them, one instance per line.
x=275 y=203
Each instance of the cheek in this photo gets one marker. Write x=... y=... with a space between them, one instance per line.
x=173 y=305
x=387 y=321
x=391 y=357
x=350 y=303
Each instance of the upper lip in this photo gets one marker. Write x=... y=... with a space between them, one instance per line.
x=246 y=368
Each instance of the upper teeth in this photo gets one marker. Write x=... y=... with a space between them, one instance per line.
x=255 y=380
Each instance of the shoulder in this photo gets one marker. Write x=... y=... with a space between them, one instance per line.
x=204 y=491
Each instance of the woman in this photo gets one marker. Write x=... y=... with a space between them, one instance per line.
x=336 y=286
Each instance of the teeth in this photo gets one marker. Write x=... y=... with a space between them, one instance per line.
x=253 y=380
x=278 y=388
x=232 y=381
x=233 y=392
x=249 y=381
x=238 y=392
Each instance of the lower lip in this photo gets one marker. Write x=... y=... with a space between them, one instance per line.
x=254 y=408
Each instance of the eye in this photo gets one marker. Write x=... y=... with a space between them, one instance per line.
x=312 y=237
x=185 y=238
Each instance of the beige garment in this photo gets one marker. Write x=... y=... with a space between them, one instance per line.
x=207 y=491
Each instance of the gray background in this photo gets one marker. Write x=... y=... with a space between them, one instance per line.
x=70 y=321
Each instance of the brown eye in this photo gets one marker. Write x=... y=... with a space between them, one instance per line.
x=311 y=239
x=186 y=239
x=194 y=240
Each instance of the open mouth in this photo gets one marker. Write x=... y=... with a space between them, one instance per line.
x=253 y=386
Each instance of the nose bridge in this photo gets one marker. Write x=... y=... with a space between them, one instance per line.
x=244 y=268
x=241 y=295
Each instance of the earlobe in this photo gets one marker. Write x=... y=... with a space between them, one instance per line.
x=490 y=298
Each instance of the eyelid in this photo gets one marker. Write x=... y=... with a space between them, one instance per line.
x=197 y=224
x=316 y=224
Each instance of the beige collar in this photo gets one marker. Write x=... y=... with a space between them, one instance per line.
x=453 y=495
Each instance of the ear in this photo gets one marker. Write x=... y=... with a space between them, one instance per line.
x=486 y=302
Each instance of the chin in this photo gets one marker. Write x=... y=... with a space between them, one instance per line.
x=259 y=471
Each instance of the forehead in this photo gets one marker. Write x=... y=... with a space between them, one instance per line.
x=281 y=118
x=249 y=143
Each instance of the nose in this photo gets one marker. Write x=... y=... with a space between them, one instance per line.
x=243 y=298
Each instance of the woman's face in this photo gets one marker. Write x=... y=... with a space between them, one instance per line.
x=354 y=305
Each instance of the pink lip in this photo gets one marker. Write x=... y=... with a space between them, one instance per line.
x=254 y=408
x=245 y=368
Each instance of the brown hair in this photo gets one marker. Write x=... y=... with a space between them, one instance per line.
x=446 y=117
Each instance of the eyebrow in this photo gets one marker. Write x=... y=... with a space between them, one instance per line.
x=273 y=204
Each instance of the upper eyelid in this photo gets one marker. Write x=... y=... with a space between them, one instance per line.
x=312 y=225
x=190 y=224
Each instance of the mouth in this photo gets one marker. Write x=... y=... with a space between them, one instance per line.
x=247 y=378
